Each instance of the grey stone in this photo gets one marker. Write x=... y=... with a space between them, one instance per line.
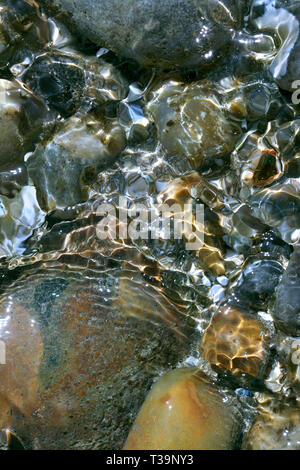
x=287 y=305
x=164 y=33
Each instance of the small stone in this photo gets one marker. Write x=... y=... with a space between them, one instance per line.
x=277 y=427
x=58 y=80
x=191 y=122
x=282 y=19
x=63 y=169
x=19 y=217
x=184 y=412
x=10 y=115
x=234 y=341
x=259 y=278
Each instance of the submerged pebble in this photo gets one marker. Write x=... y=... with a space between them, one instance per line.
x=277 y=427
x=64 y=168
x=282 y=19
x=235 y=341
x=19 y=217
x=191 y=122
x=183 y=411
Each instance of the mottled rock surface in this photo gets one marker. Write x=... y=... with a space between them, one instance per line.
x=64 y=167
x=234 y=341
x=283 y=19
x=163 y=33
x=286 y=311
x=78 y=365
x=275 y=428
x=191 y=122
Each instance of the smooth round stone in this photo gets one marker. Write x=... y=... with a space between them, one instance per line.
x=184 y=412
x=165 y=33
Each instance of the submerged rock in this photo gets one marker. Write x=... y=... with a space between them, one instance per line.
x=277 y=427
x=184 y=412
x=258 y=281
x=78 y=361
x=279 y=206
x=282 y=18
x=19 y=217
x=22 y=116
x=63 y=169
x=166 y=33
x=191 y=122
x=286 y=311
x=59 y=80
x=235 y=341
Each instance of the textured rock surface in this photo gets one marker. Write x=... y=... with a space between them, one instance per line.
x=183 y=411
x=275 y=428
x=157 y=32
x=191 y=122
x=78 y=367
x=63 y=169
x=19 y=216
x=286 y=311
x=283 y=19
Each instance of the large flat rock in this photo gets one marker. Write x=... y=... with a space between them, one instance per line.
x=163 y=33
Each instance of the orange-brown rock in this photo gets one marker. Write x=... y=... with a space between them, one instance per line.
x=234 y=341
x=78 y=365
x=184 y=411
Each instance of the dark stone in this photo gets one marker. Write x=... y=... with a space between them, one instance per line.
x=258 y=282
x=165 y=33
x=60 y=84
x=286 y=311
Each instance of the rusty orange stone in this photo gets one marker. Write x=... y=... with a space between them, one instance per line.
x=234 y=341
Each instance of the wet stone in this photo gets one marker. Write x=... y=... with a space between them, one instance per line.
x=277 y=427
x=20 y=215
x=184 y=411
x=64 y=168
x=150 y=32
x=235 y=341
x=282 y=19
x=78 y=366
x=257 y=282
x=58 y=81
x=191 y=122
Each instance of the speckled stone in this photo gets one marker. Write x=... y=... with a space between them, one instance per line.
x=163 y=33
